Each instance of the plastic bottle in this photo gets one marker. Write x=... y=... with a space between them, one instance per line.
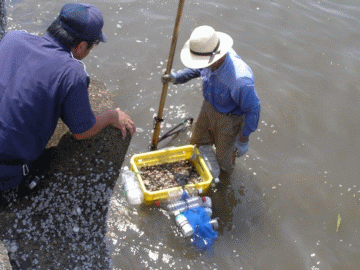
x=207 y=205
x=214 y=223
x=207 y=201
x=208 y=154
x=194 y=202
x=132 y=190
x=184 y=225
x=192 y=191
x=174 y=195
x=34 y=182
x=182 y=205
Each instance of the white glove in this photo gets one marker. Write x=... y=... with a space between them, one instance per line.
x=241 y=148
x=171 y=77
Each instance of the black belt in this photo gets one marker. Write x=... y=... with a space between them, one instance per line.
x=13 y=162
x=16 y=162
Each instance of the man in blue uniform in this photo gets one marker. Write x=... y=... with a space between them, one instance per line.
x=43 y=79
x=231 y=107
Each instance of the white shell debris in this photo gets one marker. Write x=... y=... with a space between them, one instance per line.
x=67 y=219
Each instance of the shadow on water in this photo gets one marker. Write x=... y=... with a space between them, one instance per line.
x=225 y=197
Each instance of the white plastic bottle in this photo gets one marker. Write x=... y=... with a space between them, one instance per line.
x=174 y=195
x=132 y=190
x=184 y=225
x=208 y=154
x=215 y=224
x=207 y=205
x=182 y=205
x=192 y=191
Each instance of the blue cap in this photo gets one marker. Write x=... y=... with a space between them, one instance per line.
x=83 y=21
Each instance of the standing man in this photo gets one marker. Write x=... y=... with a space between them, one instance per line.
x=228 y=90
x=43 y=79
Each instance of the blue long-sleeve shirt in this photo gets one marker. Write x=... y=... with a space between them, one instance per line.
x=229 y=89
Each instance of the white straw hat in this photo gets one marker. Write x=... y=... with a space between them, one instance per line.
x=205 y=47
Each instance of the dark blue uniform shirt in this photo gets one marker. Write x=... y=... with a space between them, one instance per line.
x=40 y=82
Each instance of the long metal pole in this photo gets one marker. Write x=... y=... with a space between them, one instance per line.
x=2 y=19
x=159 y=119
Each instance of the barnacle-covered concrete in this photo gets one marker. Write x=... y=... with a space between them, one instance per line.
x=62 y=224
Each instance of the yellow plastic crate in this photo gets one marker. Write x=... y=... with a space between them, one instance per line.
x=169 y=155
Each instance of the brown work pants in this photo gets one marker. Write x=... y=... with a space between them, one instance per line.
x=220 y=129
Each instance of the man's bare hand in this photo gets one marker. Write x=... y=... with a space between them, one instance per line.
x=123 y=122
x=116 y=117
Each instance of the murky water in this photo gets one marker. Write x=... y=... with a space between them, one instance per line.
x=302 y=169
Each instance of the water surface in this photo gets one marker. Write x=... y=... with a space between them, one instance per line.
x=302 y=169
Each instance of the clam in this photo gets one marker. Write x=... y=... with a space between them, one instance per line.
x=168 y=175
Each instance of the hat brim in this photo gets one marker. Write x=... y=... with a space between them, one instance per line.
x=191 y=60
x=103 y=37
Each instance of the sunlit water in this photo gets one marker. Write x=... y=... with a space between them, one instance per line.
x=302 y=169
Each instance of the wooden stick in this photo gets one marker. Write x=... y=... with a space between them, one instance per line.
x=159 y=119
x=2 y=19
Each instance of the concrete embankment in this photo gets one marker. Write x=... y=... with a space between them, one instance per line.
x=62 y=224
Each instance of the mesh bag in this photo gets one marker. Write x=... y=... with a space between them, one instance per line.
x=204 y=234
